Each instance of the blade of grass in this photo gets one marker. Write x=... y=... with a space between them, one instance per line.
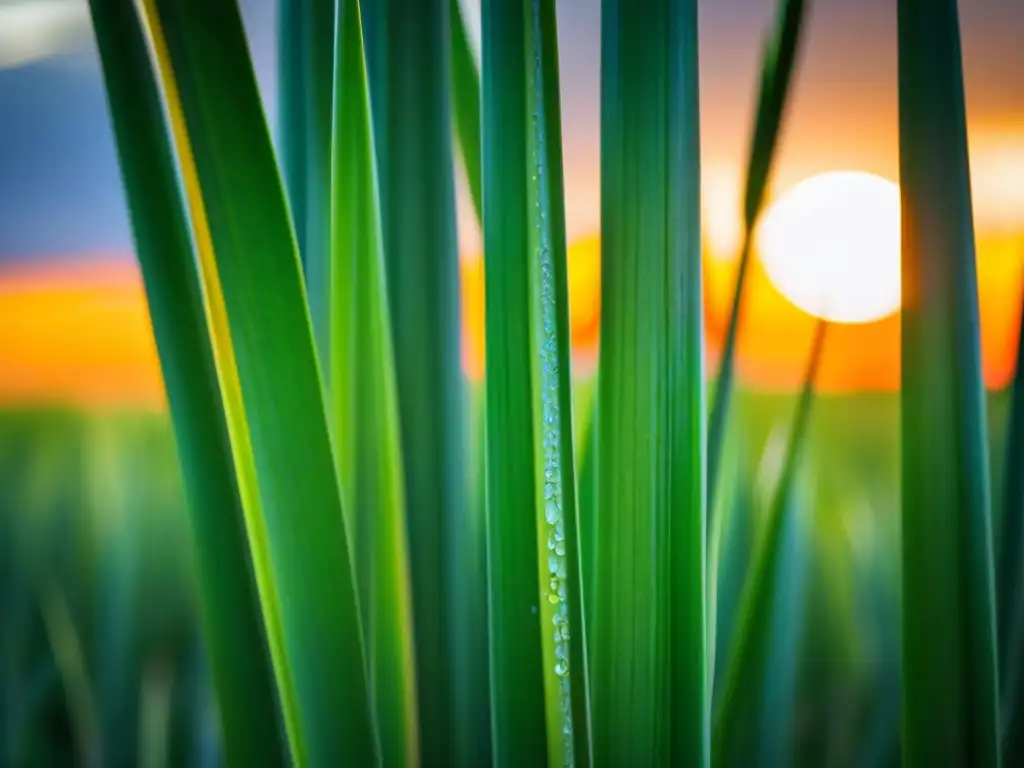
x=750 y=650
x=269 y=325
x=364 y=400
x=649 y=641
x=564 y=643
x=588 y=518
x=1010 y=585
x=305 y=68
x=776 y=75
x=471 y=694
x=729 y=558
x=538 y=663
x=234 y=628
x=950 y=697
x=516 y=660
x=227 y=374
x=466 y=104
x=408 y=46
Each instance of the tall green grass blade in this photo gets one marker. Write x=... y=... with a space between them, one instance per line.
x=588 y=518
x=1010 y=563
x=230 y=385
x=234 y=629
x=466 y=104
x=277 y=369
x=751 y=649
x=950 y=696
x=410 y=78
x=649 y=635
x=776 y=74
x=564 y=635
x=305 y=69
x=471 y=694
x=538 y=662
x=364 y=402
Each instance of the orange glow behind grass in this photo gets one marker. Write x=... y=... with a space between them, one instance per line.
x=78 y=332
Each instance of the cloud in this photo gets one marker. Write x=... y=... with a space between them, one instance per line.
x=31 y=30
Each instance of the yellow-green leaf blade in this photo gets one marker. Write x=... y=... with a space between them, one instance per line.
x=234 y=631
x=277 y=368
x=364 y=403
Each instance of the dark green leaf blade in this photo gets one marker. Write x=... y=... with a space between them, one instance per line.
x=1010 y=585
x=466 y=104
x=305 y=75
x=277 y=367
x=235 y=639
x=407 y=52
x=776 y=75
x=950 y=698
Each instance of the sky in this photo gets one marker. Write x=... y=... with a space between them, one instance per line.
x=61 y=200
x=59 y=188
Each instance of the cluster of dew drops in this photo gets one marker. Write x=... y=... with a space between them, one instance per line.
x=551 y=428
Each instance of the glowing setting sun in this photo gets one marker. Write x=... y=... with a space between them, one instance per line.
x=831 y=245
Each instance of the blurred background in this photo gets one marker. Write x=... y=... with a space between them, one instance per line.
x=98 y=621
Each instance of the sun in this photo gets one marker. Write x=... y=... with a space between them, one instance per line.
x=831 y=245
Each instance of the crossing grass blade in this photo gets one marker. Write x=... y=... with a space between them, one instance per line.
x=466 y=104
x=730 y=552
x=1010 y=563
x=410 y=78
x=649 y=679
x=950 y=697
x=264 y=299
x=776 y=74
x=364 y=402
x=305 y=68
x=234 y=629
x=538 y=662
x=751 y=648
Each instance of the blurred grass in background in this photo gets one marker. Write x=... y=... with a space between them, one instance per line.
x=93 y=517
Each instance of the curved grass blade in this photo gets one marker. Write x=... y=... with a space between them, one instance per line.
x=234 y=629
x=305 y=69
x=749 y=656
x=407 y=43
x=950 y=697
x=776 y=74
x=1010 y=585
x=538 y=663
x=649 y=677
x=466 y=104
x=269 y=325
x=364 y=400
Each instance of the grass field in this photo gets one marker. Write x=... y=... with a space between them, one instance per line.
x=101 y=644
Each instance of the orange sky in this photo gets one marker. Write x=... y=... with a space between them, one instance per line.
x=79 y=332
